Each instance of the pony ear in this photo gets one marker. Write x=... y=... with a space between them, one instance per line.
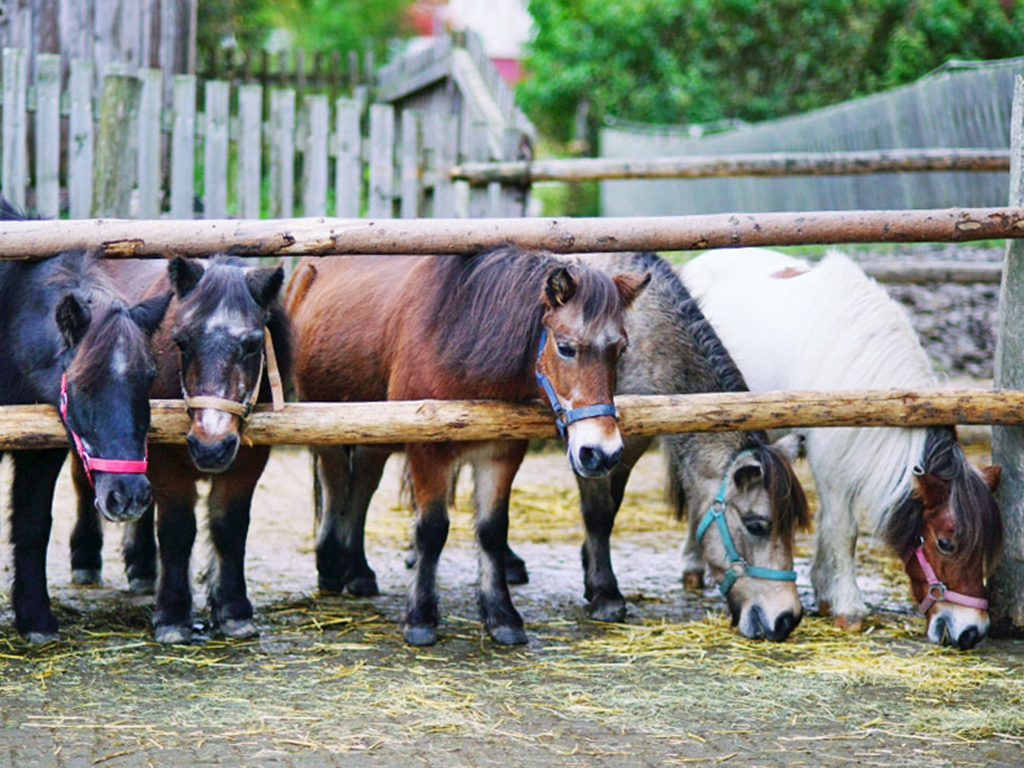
x=792 y=446
x=265 y=284
x=631 y=285
x=931 y=490
x=560 y=287
x=73 y=319
x=184 y=274
x=991 y=475
x=149 y=314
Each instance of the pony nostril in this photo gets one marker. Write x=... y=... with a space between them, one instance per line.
x=228 y=447
x=785 y=624
x=969 y=638
x=942 y=630
x=145 y=496
x=193 y=444
x=591 y=459
x=115 y=502
x=612 y=459
x=758 y=625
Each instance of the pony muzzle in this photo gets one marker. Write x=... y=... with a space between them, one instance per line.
x=594 y=446
x=770 y=614
x=122 y=497
x=957 y=626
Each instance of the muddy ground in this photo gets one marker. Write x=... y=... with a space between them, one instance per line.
x=329 y=681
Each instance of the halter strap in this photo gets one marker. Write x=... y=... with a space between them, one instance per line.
x=114 y=466
x=243 y=410
x=737 y=565
x=563 y=417
x=937 y=591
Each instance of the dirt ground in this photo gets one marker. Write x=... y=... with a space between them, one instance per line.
x=329 y=682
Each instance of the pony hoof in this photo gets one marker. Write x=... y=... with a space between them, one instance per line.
x=515 y=573
x=824 y=608
x=363 y=586
x=41 y=638
x=693 y=581
x=142 y=586
x=849 y=623
x=508 y=635
x=613 y=611
x=173 y=635
x=420 y=635
x=330 y=586
x=83 y=577
x=239 y=629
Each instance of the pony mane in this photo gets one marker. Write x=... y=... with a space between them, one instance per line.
x=488 y=310
x=790 y=511
x=979 y=524
x=223 y=284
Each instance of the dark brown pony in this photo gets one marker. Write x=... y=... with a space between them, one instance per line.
x=210 y=347
x=451 y=327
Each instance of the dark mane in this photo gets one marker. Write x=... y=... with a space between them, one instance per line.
x=488 y=310
x=790 y=511
x=979 y=525
x=223 y=284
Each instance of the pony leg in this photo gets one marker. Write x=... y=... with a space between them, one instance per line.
x=229 y=504
x=87 y=536
x=138 y=545
x=35 y=475
x=493 y=472
x=347 y=478
x=176 y=533
x=431 y=467
x=833 y=572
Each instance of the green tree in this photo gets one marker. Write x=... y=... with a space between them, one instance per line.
x=341 y=24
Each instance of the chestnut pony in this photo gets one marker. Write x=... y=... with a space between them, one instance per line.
x=505 y=324
x=211 y=350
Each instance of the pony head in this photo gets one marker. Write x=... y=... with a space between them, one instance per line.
x=584 y=334
x=224 y=312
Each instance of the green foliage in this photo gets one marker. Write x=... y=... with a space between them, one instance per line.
x=698 y=61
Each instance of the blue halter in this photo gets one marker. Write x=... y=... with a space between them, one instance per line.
x=564 y=418
x=737 y=565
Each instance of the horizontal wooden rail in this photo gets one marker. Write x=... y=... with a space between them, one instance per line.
x=935 y=272
x=723 y=166
x=123 y=238
x=38 y=426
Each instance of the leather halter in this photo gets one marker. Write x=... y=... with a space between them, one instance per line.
x=737 y=565
x=243 y=410
x=563 y=417
x=91 y=464
x=938 y=592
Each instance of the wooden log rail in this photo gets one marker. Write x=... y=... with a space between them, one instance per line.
x=769 y=164
x=38 y=426
x=123 y=238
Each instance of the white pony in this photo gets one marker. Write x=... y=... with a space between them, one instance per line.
x=791 y=325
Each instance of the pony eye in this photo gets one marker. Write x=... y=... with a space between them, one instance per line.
x=568 y=351
x=252 y=344
x=757 y=526
x=946 y=546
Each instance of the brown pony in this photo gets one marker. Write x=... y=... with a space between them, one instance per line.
x=490 y=326
x=211 y=350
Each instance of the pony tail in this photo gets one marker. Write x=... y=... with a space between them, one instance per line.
x=674 y=481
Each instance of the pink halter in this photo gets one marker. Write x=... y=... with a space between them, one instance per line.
x=121 y=466
x=937 y=591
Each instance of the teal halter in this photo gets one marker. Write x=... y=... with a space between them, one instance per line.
x=737 y=565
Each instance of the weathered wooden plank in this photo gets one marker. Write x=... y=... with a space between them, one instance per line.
x=38 y=426
x=348 y=169
x=1006 y=583
x=282 y=153
x=922 y=272
x=318 y=236
x=447 y=156
x=477 y=150
x=215 y=149
x=116 y=144
x=183 y=148
x=723 y=166
x=315 y=164
x=47 y=150
x=250 y=112
x=150 y=172
x=14 y=158
x=80 y=140
x=412 y=164
x=382 y=163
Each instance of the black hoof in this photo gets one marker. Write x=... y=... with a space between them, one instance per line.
x=142 y=586
x=41 y=638
x=420 y=635
x=173 y=635
x=363 y=586
x=84 y=577
x=608 y=610
x=239 y=629
x=508 y=635
x=515 y=572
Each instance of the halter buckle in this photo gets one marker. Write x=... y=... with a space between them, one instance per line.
x=937 y=592
x=738 y=567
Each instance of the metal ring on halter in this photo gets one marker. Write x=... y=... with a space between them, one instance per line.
x=737 y=565
x=563 y=417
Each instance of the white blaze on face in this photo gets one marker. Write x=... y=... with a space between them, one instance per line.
x=119 y=361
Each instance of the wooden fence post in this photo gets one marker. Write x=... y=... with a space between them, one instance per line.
x=1006 y=584
x=412 y=163
x=447 y=155
x=314 y=156
x=116 y=144
x=183 y=148
x=382 y=160
x=215 y=150
x=282 y=153
x=48 y=135
x=478 y=151
x=348 y=170
x=150 y=172
x=80 y=143
x=14 y=163
x=250 y=112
